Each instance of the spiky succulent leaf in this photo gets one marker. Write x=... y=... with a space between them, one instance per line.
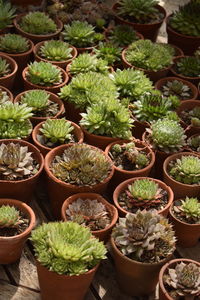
x=15 y=112
x=4 y=67
x=15 y=130
x=13 y=43
x=3 y=97
x=9 y=216
x=7 y=13
x=108 y=52
x=55 y=50
x=37 y=99
x=176 y=88
x=188 y=66
x=190 y=207
x=144 y=189
x=122 y=35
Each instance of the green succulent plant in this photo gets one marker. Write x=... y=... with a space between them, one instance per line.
x=37 y=23
x=44 y=73
x=108 y=52
x=3 y=97
x=194 y=143
x=188 y=210
x=144 y=236
x=55 y=50
x=188 y=66
x=186 y=19
x=81 y=34
x=4 y=67
x=191 y=116
x=122 y=35
x=13 y=43
x=15 y=112
x=67 y=247
x=81 y=165
x=176 y=88
x=183 y=281
x=185 y=169
x=7 y=13
x=108 y=118
x=9 y=216
x=148 y=55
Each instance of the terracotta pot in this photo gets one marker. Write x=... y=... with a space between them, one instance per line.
x=55 y=286
x=22 y=189
x=11 y=247
x=34 y=37
x=44 y=149
x=101 y=234
x=159 y=84
x=123 y=186
x=54 y=88
x=58 y=190
x=188 y=44
x=180 y=189
x=188 y=148
x=71 y=112
x=139 y=128
x=187 y=234
x=163 y=294
x=143 y=275
x=8 y=80
x=8 y=92
x=53 y=98
x=149 y=31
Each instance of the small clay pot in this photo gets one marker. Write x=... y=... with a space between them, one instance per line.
x=11 y=247
x=71 y=112
x=8 y=92
x=101 y=234
x=8 y=80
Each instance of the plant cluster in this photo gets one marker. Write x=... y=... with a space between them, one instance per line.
x=3 y=97
x=188 y=210
x=55 y=50
x=81 y=165
x=192 y=116
x=13 y=43
x=67 y=247
x=37 y=23
x=194 y=143
x=176 y=88
x=7 y=13
x=188 y=66
x=108 y=52
x=90 y=213
x=122 y=35
x=4 y=67
x=144 y=236
x=9 y=216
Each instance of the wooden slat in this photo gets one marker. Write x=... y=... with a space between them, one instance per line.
x=89 y=296
x=8 y=292
x=3 y=275
x=191 y=253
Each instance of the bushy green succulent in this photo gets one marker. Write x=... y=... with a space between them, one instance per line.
x=37 y=23
x=81 y=165
x=7 y=13
x=67 y=247
x=9 y=216
x=188 y=210
x=108 y=52
x=14 y=112
x=4 y=67
x=43 y=73
x=183 y=281
x=194 y=143
x=13 y=43
x=122 y=35
x=185 y=169
x=186 y=19
x=176 y=88
x=86 y=89
x=55 y=50
x=81 y=34
x=108 y=118
x=148 y=55
x=144 y=236
x=3 y=97
x=144 y=189
x=188 y=66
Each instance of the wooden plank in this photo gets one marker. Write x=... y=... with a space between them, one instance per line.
x=3 y=275
x=191 y=253
x=89 y=296
x=8 y=291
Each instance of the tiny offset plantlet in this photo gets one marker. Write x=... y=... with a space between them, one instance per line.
x=13 y=43
x=55 y=50
x=188 y=210
x=176 y=88
x=122 y=35
x=188 y=66
x=4 y=68
x=7 y=13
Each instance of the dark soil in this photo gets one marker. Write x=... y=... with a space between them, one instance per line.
x=45 y=142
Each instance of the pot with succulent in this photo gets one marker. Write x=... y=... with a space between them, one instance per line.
x=180 y=279
x=37 y=26
x=44 y=75
x=185 y=217
x=44 y=105
x=75 y=168
x=55 y=132
x=8 y=71
x=17 y=221
x=146 y=17
x=93 y=211
x=110 y=53
x=7 y=14
x=153 y=58
x=5 y=95
x=67 y=257
x=193 y=143
x=182 y=174
x=141 y=244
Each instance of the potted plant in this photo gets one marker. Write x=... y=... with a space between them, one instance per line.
x=185 y=216
x=182 y=174
x=5 y=95
x=67 y=258
x=152 y=58
x=145 y=17
x=7 y=13
x=189 y=112
x=88 y=170
x=8 y=70
x=179 y=278
x=110 y=53
x=55 y=132
x=44 y=75
x=37 y=26
x=93 y=211
x=141 y=244
x=193 y=143
x=21 y=165
x=17 y=221
x=57 y=52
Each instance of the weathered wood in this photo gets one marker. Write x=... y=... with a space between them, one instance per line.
x=3 y=275
x=11 y=292
x=192 y=253
x=89 y=296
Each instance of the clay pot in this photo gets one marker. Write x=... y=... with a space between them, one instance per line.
x=187 y=234
x=159 y=84
x=139 y=128
x=143 y=275
x=35 y=38
x=44 y=149
x=180 y=189
x=22 y=189
x=163 y=294
x=54 y=88
x=101 y=234
x=71 y=112
x=149 y=31
x=55 y=286
x=188 y=44
x=11 y=247
x=8 y=92
x=58 y=190
x=53 y=98
x=8 y=80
